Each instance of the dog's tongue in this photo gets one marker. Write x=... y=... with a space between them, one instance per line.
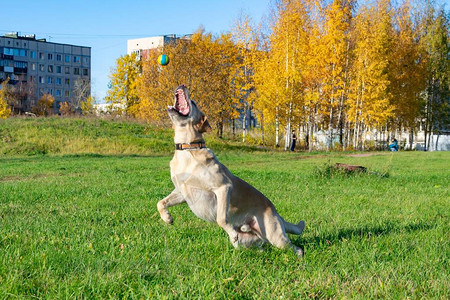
x=181 y=103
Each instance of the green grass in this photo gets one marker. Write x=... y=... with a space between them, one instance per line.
x=78 y=219
x=86 y=226
x=55 y=135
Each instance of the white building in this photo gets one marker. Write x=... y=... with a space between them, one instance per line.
x=143 y=45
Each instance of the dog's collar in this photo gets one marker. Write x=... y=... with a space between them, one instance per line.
x=183 y=146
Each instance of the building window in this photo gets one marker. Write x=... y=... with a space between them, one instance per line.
x=66 y=93
x=85 y=72
x=58 y=93
x=67 y=59
x=76 y=59
x=49 y=80
x=76 y=71
x=86 y=60
x=67 y=70
x=41 y=79
x=58 y=80
x=20 y=64
x=67 y=81
x=33 y=66
x=58 y=57
x=15 y=52
x=41 y=55
x=50 y=56
x=50 y=68
x=33 y=54
x=41 y=68
x=58 y=69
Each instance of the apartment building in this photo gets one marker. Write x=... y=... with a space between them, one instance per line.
x=142 y=46
x=44 y=68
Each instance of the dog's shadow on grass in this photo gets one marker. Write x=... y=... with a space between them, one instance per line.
x=365 y=232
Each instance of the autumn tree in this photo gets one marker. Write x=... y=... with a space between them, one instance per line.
x=82 y=89
x=244 y=36
x=5 y=94
x=44 y=106
x=87 y=106
x=205 y=64
x=370 y=101
x=408 y=60
x=335 y=59
x=288 y=50
x=16 y=94
x=435 y=41
x=65 y=109
x=123 y=89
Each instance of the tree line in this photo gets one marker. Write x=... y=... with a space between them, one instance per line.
x=344 y=67
x=13 y=98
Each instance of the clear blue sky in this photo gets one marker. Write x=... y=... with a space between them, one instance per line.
x=107 y=25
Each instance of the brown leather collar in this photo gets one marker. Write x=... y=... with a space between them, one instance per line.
x=192 y=146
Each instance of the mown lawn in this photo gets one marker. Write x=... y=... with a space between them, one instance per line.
x=86 y=226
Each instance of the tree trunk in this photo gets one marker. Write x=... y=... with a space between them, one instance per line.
x=363 y=136
x=287 y=138
x=288 y=128
x=411 y=138
x=262 y=129
x=233 y=124
x=311 y=131
x=277 y=129
x=355 y=128
x=437 y=141
x=330 y=123
x=244 y=125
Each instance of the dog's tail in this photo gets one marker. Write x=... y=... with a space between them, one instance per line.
x=294 y=228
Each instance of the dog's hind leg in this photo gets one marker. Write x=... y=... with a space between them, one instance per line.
x=174 y=198
x=294 y=228
x=276 y=234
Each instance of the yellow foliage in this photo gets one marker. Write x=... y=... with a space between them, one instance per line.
x=205 y=64
x=87 y=106
x=65 y=109
x=44 y=106
x=124 y=78
x=5 y=110
x=322 y=65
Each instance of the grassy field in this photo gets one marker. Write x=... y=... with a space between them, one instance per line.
x=55 y=135
x=86 y=226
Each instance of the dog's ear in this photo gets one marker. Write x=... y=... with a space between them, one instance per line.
x=203 y=125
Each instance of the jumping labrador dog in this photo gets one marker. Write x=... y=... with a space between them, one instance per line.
x=212 y=192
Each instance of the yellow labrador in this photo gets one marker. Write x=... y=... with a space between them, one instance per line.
x=212 y=192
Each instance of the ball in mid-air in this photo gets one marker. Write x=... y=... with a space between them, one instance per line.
x=163 y=59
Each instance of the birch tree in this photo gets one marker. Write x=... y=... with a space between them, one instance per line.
x=436 y=44
x=289 y=42
x=122 y=89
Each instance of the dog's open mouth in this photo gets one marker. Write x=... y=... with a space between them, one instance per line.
x=181 y=102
